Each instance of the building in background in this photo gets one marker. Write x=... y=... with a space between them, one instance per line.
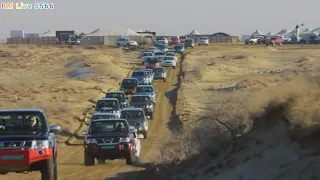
x=17 y=34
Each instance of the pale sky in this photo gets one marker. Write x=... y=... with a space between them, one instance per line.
x=166 y=17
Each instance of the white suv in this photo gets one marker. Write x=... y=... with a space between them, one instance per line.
x=203 y=41
x=126 y=42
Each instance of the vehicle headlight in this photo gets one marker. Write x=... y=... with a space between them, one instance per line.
x=126 y=139
x=90 y=141
x=145 y=79
x=149 y=106
x=40 y=144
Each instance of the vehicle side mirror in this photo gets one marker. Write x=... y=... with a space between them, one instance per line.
x=119 y=83
x=55 y=128
x=133 y=129
x=94 y=106
x=84 y=132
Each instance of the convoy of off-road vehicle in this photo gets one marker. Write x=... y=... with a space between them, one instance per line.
x=114 y=131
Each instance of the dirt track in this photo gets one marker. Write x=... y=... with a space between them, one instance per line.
x=70 y=154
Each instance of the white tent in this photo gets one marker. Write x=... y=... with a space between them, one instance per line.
x=257 y=32
x=270 y=34
x=194 y=32
x=48 y=33
x=108 y=36
x=283 y=32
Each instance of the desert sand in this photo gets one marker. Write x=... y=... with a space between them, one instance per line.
x=251 y=111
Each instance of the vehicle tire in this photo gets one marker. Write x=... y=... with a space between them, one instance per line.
x=49 y=169
x=88 y=160
x=173 y=67
x=101 y=161
x=118 y=44
x=151 y=116
x=164 y=79
x=199 y=44
x=145 y=135
x=207 y=44
x=192 y=47
x=131 y=158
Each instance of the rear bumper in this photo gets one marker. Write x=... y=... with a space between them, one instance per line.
x=22 y=160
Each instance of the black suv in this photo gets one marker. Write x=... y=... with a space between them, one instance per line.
x=129 y=85
x=111 y=139
x=145 y=102
x=121 y=96
x=27 y=143
x=314 y=40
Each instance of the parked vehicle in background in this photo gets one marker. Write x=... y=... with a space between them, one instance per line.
x=254 y=39
x=275 y=40
x=111 y=139
x=189 y=43
x=182 y=38
x=159 y=42
x=174 y=40
x=286 y=40
x=179 y=48
x=295 y=40
x=27 y=143
x=129 y=85
x=125 y=42
x=73 y=40
x=314 y=40
x=203 y=41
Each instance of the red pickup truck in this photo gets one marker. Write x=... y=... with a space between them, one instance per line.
x=275 y=40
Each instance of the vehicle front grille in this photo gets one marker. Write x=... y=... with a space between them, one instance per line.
x=107 y=140
x=15 y=144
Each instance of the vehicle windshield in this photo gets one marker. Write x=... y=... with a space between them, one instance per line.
x=153 y=61
x=160 y=38
x=160 y=53
x=162 y=46
x=170 y=54
x=147 y=54
x=188 y=41
x=132 y=114
x=168 y=58
x=183 y=37
x=115 y=95
x=139 y=73
x=103 y=116
x=177 y=47
x=140 y=99
x=129 y=82
x=97 y=127
x=203 y=38
x=107 y=104
x=158 y=70
x=144 y=89
x=152 y=49
x=22 y=122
